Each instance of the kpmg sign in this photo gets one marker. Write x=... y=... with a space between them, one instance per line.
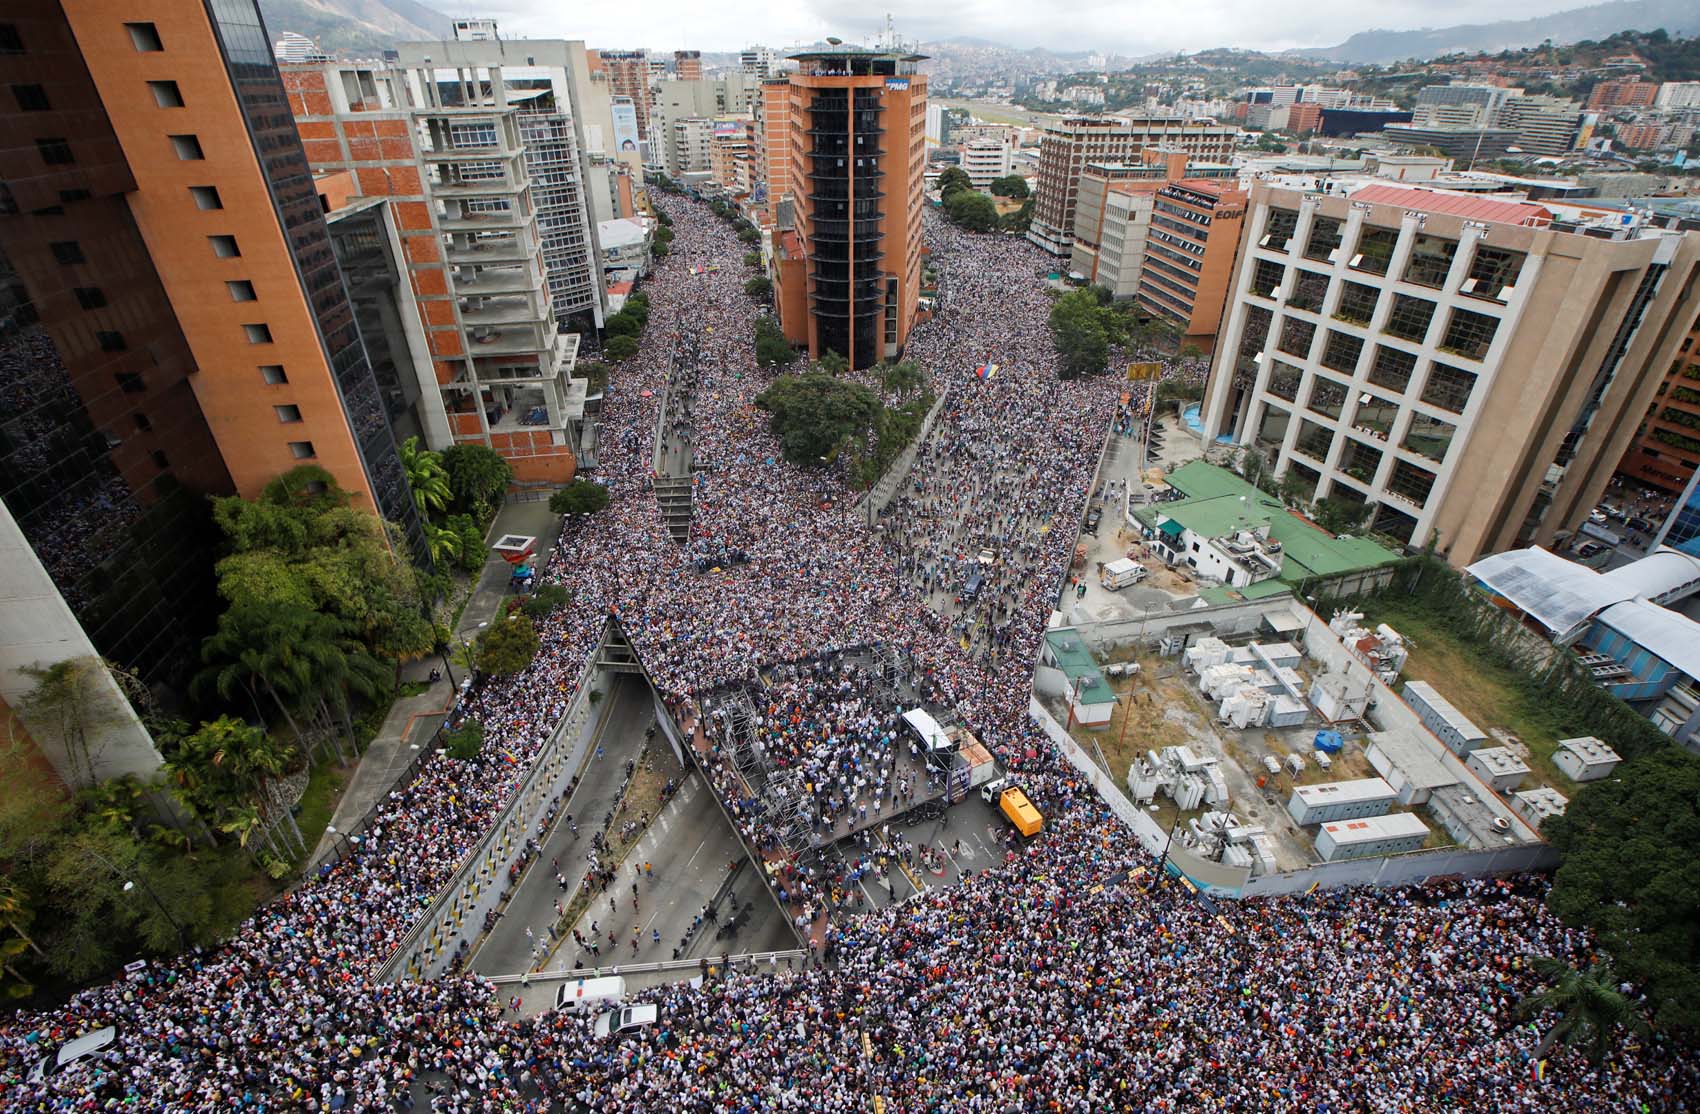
x=900 y=84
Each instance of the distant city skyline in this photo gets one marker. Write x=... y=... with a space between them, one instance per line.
x=1084 y=25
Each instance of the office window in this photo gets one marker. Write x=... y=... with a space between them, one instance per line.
x=224 y=246
x=130 y=382
x=1429 y=437
x=55 y=152
x=1326 y=397
x=1493 y=274
x=1374 y=250
x=1324 y=238
x=1279 y=229
x=160 y=459
x=1448 y=387
x=68 y=251
x=258 y=334
x=1296 y=336
x=142 y=423
x=10 y=41
x=1431 y=259
x=30 y=98
x=287 y=414
x=1309 y=288
x=1469 y=334
x=1357 y=303
x=241 y=290
x=302 y=450
x=1340 y=351
x=166 y=94
x=111 y=341
x=188 y=148
x=273 y=374
x=1284 y=380
x=144 y=37
x=1392 y=368
x=206 y=197
x=90 y=297
x=1266 y=278
x=1409 y=317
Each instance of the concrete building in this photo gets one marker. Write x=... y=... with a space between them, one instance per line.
x=1544 y=125
x=1329 y=801
x=1072 y=142
x=1666 y=451
x=1537 y=806
x=761 y=63
x=688 y=142
x=1112 y=214
x=1641 y=136
x=1585 y=759
x=1371 y=837
x=1385 y=340
x=730 y=162
x=771 y=149
x=986 y=160
x=1466 y=143
x=849 y=277
x=628 y=76
x=1190 y=251
x=1410 y=762
x=1630 y=92
x=1678 y=94
x=1499 y=767
x=687 y=65
x=1449 y=725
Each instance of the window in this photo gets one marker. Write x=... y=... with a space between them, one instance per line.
x=1357 y=303
x=55 y=152
x=273 y=374
x=10 y=42
x=1429 y=437
x=206 y=197
x=1493 y=274
x=1279 y=229
x=1326 y=397
x=1410 y=483
x=1296 y=336
x=1309 y=288
x=1374 y=250
x=1341 y=351
x=166 y=94
x=1324 y=238
x=111 y=341
x=1360 y=462
x=478 y=134
x=30 y=98
x=1431 y=259
x=241 y=290
x=1375 y=415
x=287 y=414
x=302 y=450
x=258 y=334
x=1448 y=388
x=1266 y=278
x=1392 y=368
x=144 y=37
x=188 y=147
x=90 y=297
x=1284 y=381
x=1469 y=334
x=1409 y=318
x=224 y=246
x=143 y=425
x=130 y=382
x=160 y=460
x=68 y=251
x=1314 y=440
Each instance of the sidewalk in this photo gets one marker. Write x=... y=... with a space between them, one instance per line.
x=413 y=720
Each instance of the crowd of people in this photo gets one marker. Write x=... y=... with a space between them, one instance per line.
x=1068 y=977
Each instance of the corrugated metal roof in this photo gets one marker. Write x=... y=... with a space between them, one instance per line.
x=1464 y=205
x=1658 y=630
x=1559 y=594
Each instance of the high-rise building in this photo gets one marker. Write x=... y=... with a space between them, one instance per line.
x=1666 y=450
x=688 y=142
x=687 y=65
x=291 y=47
x=1544 y=125
x=628 y=76
x=849 y=270
x=761 y=63
x=1678 y=94
x=987 y=160
x=1630 y=92
x=1112 y=214
x=1072 y=142
x=1189 y=255
x=1468 y=369
x=729 y=161
x=772 y=146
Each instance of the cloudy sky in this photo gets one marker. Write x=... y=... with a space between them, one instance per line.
x=1125 y=26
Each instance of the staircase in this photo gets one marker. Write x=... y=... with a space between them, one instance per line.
x=673 y=494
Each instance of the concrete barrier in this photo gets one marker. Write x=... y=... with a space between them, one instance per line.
x=752 y=961
x=885 y=488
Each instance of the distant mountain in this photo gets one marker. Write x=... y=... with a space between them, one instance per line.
x=364 y=26
x=1595 y=22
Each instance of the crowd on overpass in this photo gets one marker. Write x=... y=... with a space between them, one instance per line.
x=1064 y=978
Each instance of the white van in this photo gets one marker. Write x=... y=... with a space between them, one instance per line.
x=1121 y=573
x=582 y=996
x=71 y=1051
x=623 y=1020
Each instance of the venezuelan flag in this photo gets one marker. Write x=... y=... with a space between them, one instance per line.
x=512 y=761
x=986 y=371
x=1539 y=1071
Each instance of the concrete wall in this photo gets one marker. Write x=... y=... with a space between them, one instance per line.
x=885 y=489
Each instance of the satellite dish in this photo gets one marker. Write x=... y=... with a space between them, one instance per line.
x=834 y=42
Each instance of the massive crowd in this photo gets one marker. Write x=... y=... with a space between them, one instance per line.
x=1064 y=979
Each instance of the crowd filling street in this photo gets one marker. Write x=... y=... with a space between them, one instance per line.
x=1067 y=977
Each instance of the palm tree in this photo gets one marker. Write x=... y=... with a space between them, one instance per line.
x=426 y=476
x=1589 y=1004
x=446 y=544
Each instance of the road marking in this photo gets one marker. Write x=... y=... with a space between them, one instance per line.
x=695 y=853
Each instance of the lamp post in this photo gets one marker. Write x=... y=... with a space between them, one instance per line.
x=129 y=884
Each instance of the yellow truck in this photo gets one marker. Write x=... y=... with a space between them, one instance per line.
x=1014 y=805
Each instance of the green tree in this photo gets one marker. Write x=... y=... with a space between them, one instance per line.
x=478 y=477
x=579 y=497
x=759 y=286
x=771 y=346
x=1077 y=329
x=659 y=251
x=902 y=378
x=470 y=550
x=952 y=180
x=622 y=324
x=444 y=543
x=971 y=210
x=226 y=765
x=832 y=363
x=546 y=600
x=465 y=742
x=749 y=236
x=1020 y=219
x=752 y=259
x=75 y=705
x=619 y=349
x=1590 y=1007
x=426 y=476
x=1339 y=516
x=1631 y=874
x=507 y=645
x=1013 y=185
x=813 y=415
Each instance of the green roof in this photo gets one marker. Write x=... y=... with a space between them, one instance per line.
x=1075 y=660
x=1262 y=590
x=1213 y=508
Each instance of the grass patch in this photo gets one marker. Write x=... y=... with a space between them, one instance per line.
x=412 y=688
x=318 y=803
x=1492 y=695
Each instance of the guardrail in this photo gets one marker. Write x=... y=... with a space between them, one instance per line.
x=479 y=883
x=749 y=960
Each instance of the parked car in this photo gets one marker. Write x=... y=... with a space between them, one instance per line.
x=625 y=1019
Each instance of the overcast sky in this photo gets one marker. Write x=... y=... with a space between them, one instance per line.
x=1136 y=27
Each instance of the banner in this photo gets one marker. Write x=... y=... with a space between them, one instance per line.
x=1137 y=372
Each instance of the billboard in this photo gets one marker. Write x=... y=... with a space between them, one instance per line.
x=898 y=84
x=727 y=129
x=624 y=113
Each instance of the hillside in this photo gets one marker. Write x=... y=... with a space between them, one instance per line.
x=1595 y=22
x=363 y=26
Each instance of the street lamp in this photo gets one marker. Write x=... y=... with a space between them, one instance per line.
x=182 y=940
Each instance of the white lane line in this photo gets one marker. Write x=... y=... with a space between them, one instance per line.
x=695 y=853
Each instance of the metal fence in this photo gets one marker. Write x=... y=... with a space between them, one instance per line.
x=346 y=842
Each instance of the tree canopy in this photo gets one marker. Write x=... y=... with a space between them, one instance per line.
x=953 y=179
x=1078 y=330
x=507 y=645
x=1631 y=873
x=620 y=348
x=478 y=475
x=814 y=414
x=1012 y=185
x=971 y=210
x=579 y=497
x=771 y=346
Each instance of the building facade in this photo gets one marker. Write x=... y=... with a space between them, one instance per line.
x=1666 y=451
x=1068 y=145
x=628 y=76
x=1190 y=250
x=687 y=65
x=857 y=125
x=1466 y=369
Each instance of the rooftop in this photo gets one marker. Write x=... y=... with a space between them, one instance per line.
x=1077 y=664
x=1561 y=595
x=1414 y=757
x=1457 y=204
